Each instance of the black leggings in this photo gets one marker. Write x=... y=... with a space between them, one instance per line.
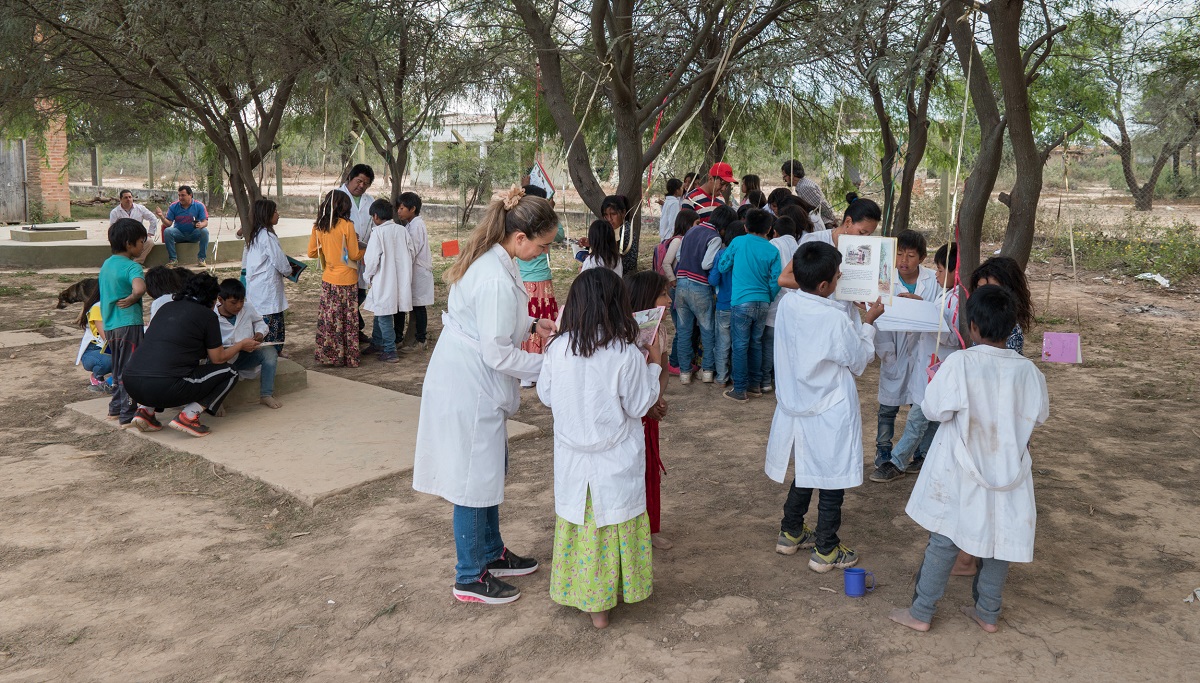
x=207 y=385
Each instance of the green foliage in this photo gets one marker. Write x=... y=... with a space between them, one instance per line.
x=1137 y=246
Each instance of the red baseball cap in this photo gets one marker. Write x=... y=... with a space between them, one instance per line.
x=723 y=171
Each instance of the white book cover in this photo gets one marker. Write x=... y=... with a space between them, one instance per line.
x=868 y=269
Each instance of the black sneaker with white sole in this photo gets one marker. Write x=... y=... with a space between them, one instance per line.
x=512 y=564
x=488 y=590
x=887 y=472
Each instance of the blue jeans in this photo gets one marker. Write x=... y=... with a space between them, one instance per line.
x=749 y=320
x=268 y=358
x=173 y=234
x=477 y=541
x=96 y=362
x=723 y=344
x=694 y=303
x=914 y=441
x=935 y=572
x=383 y=333
x=674 y=357
x=768 y=355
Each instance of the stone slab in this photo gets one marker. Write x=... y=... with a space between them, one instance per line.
x=16 y=338
x=328 y=439
x=65 y=234
x=290 y=376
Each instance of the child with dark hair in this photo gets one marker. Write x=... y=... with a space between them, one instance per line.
x=121 y=286
x=266 y=267
x=976 y=490
x=750 y=183
x=388 y=271
x=754 y=265
x=408 y=214
x=599 y=385
x=723 y=312
x=334 y=243
x=648 y=289
x=904 y=358
x=671 y=205
x=1006 y=272
x=161 y=284
x=666 y=264
x=538 y=281
x=239 y=321
x=821 y=349
x=603 y=251
x=756 y=198
x=93 y=351
x=784 y=241
x=778 y=195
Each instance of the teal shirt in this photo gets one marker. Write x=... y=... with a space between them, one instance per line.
x=538 y=270
x=116 y=282
x=912 y=289
x=755 y=265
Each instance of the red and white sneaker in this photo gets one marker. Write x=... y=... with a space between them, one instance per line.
x=144 y=421
x=488 y=590
x=190 y=425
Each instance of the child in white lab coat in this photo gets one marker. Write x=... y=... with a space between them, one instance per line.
x=976 y=490
x=904 y=360
x=238 y=321
x=819 y=349
x=599 y=385
x=408 y=213
x=388 y=271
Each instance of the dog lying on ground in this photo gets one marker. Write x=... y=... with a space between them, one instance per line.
x=78 y=292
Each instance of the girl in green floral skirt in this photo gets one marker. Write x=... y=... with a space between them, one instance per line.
x=599 y=384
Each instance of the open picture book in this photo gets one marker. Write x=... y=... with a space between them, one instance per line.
x=868 y=269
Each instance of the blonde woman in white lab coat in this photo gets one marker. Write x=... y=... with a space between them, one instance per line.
x=472 y=387
x=599 y=386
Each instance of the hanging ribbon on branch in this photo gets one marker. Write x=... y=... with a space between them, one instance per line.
x=650 y=168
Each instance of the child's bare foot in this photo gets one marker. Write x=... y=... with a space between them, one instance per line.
x=599 y=619
x=661 y=543
x=964 y=565
x=905 y=618
x=220 y=412
x=270 y=402
x=969 y=610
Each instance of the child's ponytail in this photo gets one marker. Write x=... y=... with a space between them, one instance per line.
x=509 y=211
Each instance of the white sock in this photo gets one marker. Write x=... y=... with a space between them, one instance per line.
x=192 y=410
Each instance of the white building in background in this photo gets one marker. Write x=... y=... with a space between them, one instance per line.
x=453 y=127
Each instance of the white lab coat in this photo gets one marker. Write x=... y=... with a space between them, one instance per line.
x=787 y=246
x=949 y=342
x=363 y=224
x=593 y=262
x=666 y=222
x=388 y=268
x=976 y=487
x=266 y=265
x=422 y=277
x=472 y=385
x=599 y=444
x=904 y=356
x=819 y=350
x=245 y=325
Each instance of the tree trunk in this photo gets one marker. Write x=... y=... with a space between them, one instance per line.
x=397 y=164
x=1143 y=198
x=1004 y=18
x=977 y=189
x=712 y=116
x=918 y=139
x=890 y=149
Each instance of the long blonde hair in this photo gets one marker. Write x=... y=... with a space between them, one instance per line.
x=509 y=212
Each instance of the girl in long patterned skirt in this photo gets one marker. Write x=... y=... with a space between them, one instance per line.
x=335 y=244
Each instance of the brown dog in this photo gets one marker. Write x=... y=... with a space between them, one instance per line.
x=78 y=292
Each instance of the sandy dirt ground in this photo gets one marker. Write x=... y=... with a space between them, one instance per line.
x=121 y=560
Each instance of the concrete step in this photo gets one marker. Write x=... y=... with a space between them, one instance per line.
x=289 y=376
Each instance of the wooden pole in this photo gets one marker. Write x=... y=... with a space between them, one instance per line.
x=149 y=168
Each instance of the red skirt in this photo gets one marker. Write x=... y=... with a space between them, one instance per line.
x=654 y=472
x=541 y=305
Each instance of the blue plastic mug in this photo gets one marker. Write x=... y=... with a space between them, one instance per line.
x=856 y=582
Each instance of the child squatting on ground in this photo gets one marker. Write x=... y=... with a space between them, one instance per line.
x=240 y=321
x=976 y=489
x=598 y=385
x=821 y=346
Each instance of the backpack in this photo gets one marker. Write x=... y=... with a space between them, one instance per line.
x=660 y=254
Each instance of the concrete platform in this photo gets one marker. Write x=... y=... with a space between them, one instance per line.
x=16 y=338
x=62 y=234
x=224 y=245
x=328 y=439
x=290 y=376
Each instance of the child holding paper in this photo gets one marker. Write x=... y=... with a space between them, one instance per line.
x=976 y=492
x=820 y=350
x=648 y=289
x=599 y=386
x=904 y=358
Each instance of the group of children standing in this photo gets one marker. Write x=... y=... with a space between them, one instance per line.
x=972 y=410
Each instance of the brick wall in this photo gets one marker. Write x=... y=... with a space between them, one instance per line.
x=46 y=168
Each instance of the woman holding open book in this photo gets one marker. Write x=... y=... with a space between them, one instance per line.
x=472 y=387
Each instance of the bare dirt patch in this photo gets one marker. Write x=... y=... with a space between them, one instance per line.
x=123 y=560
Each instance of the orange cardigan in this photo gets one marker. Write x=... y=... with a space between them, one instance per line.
x=330 y=245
